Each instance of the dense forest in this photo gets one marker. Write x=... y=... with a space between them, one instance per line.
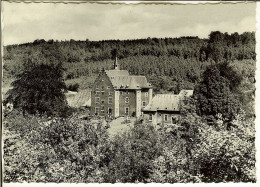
x=170 y=64
x=161 y=56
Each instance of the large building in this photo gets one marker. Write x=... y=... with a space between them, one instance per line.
x=116 y=93
x=165 y=108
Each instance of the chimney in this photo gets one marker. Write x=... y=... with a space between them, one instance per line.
x=116 y=65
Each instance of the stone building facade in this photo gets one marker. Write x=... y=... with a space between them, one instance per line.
x=116 y=93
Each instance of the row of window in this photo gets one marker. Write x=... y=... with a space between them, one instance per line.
x=110 y=100
x=103 y=93
x=122 y=93
x=174 y=120
x=110 y=93
x=102 y=87
x=102 y=110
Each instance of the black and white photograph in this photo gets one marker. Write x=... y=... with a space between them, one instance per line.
x=128 y=92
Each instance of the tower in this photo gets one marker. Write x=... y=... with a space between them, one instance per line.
x=116 y=65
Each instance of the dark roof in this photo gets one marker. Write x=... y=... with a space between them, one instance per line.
x=121 y=79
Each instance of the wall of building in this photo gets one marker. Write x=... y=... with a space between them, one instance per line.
x=101 y=89
x=158 y=117
x=138 y=103
x=144 y=97
x=130 y=94
x=116 y=114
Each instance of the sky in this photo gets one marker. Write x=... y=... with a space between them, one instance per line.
x=25 y=22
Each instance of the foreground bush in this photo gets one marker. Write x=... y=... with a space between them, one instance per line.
x=38 y=149
x=58 y=150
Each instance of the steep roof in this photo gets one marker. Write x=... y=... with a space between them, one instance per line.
x=121 y=79
x=166 y=102
x=130 y=82
x=115 y=73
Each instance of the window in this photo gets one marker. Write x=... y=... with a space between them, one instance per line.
x=127 y=110
x=165 y=117
x=102 y=87
x=150 y=117
x=102 y=101
x=126 y=100
x=97 y=92
x=102 y=92
x=96 y=110
x=110 y=100
x=102 y=109
x=121 y=93
x=174 y=120
x=97 y=87
x=109 y=110
x=102 y=79
x=144 y=103
x=127 y=92
x=110 y=93
x=108 y=87
x=146 y=94
x=97 y=99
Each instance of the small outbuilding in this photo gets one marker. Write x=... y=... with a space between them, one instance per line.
x=165 y=108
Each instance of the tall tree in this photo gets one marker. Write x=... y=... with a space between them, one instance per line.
x=39 y=89
x=214 y=96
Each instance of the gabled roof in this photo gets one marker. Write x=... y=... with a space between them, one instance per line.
x=121 y=79
x=115 y=73
x=130 y=82
x=166 y=102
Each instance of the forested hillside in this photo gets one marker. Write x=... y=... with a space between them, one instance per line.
x=87 y=57
x=170 y=64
